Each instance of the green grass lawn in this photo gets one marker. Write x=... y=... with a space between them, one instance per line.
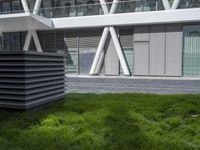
x=106 y=122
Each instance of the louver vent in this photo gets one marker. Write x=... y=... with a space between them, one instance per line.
x=30 y=79
x=71 y=39
x=89 y=39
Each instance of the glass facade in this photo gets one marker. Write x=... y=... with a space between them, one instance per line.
x=71 y=57
x=10 y=6
x=191 y=53
x=71 y=8
x=127 y=42
x=189 y=4
x=72 y=61
x=11 y=41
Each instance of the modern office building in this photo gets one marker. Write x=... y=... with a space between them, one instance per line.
x=139 y=38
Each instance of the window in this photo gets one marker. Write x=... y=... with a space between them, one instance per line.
x=189 y=4
x=6 y=7
x=47 y=8
x=126 y=41
x=16 y=6
x=71 y=60
x=191 y=53
x=79 y=8
x=71 y=51
x=11 y=41
x=194 y=3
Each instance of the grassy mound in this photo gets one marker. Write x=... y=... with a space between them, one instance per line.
x=106 y=122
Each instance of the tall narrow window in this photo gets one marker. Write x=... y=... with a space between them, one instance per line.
x=71 y=51
x=126 y=40
x=191 y=53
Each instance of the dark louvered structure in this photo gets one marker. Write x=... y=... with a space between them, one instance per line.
x=30 y=79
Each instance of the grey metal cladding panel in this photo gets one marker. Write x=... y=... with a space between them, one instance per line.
x=126 y=37
x=174 y=50
x=141 y=58
x=111 y=60
x=89 y=39
x=141 y=33
x=157 y=50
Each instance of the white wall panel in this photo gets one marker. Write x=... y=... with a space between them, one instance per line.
x=111 y=60
x=141 y=33
x=141 y=58
x=157 y=50
x=174 y=39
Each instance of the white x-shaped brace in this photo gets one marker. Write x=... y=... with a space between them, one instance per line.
x=32 y=33
x=99 y=56
x=98 y=59
x=167 y=6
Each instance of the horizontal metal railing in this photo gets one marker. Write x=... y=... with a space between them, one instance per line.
x=96 y=8
x=123 y=7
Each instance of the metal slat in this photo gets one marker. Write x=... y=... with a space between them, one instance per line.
x=30 y=80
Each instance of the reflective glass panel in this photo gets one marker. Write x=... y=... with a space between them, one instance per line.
x=16 y=6
x=6 y=7
x=191 y=53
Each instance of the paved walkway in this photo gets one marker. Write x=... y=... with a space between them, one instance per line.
x=132 y=85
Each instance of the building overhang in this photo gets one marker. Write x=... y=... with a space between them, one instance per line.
x=23 y=22
x=124 y=19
